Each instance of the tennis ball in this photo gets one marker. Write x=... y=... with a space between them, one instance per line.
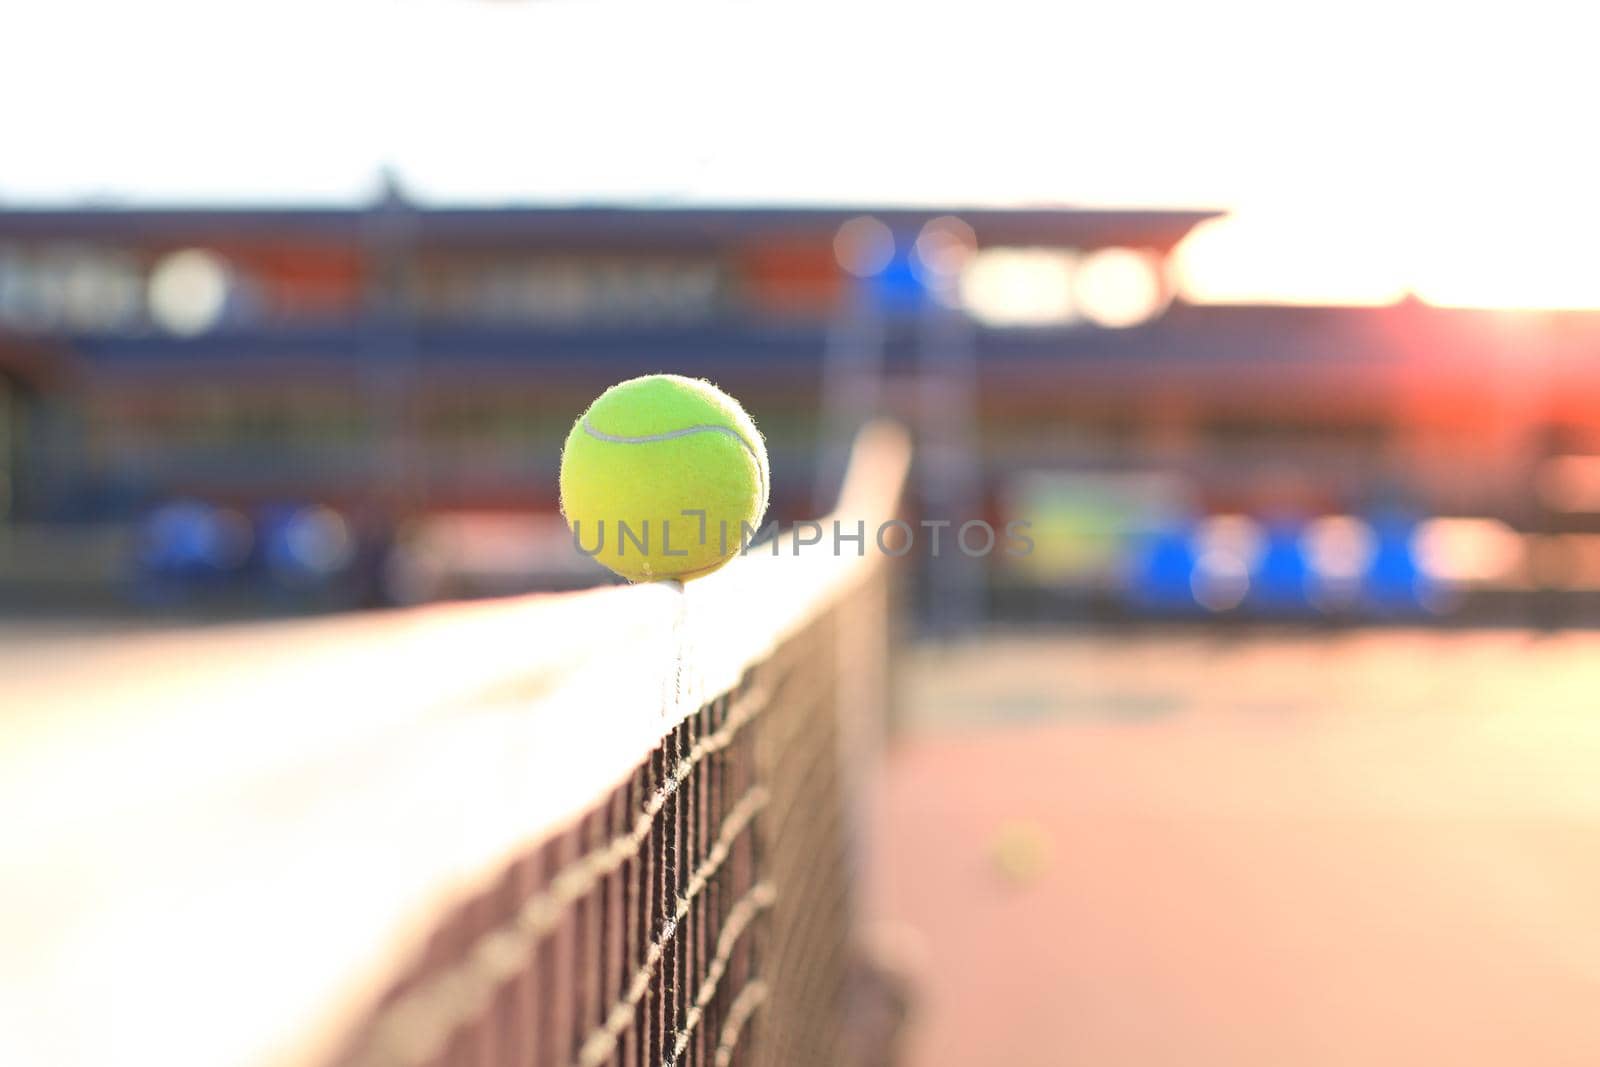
x=646 y=460
x=1020 y=850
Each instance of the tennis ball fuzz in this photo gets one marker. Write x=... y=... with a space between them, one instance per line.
x=663 y=477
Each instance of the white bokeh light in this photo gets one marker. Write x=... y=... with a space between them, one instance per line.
x=189 y=291
x=1119 y=287
x=941 y=253
x=1019 y=287
x=863 y=246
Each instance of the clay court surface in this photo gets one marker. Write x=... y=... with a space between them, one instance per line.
x=1228 y=850
x=1362 y=848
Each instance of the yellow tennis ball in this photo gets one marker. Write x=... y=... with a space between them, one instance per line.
x=663 y=477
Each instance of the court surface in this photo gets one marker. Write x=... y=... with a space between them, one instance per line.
x=1362 y=848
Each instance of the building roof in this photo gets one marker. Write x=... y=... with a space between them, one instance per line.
x=632 y=226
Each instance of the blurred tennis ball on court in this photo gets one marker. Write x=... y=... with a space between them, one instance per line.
x=663 y=477
x=1020 y=851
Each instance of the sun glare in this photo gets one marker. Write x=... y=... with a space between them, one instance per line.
x=1518 y=254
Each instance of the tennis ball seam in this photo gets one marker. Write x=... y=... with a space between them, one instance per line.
x=685 y=431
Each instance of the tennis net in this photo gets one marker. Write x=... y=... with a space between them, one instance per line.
x=609 y=828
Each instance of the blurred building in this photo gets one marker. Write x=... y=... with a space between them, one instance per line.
x=287 y=392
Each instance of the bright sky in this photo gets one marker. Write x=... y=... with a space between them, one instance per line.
x=1366 y=150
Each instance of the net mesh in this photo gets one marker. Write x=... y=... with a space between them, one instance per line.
x=699 y=913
